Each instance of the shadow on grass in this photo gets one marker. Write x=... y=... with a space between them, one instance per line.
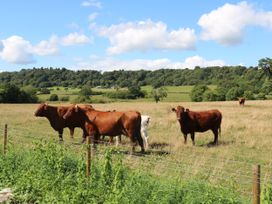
x=220 y=143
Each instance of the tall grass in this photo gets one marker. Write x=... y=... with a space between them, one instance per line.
x=50 y=173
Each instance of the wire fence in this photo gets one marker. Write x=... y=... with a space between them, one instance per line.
x=229 y=172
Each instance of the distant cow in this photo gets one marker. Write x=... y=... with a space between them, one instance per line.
x=55 y=116
x=108 y=123
x=242 y=101
x=191 y=122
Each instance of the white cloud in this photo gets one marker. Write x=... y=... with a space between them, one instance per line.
x=227 y=24
x=147 y=35
x=75 y=39
x=45 y=47
x=92 y=3
x=108 y=64
x=17 y=50
x=92 y=16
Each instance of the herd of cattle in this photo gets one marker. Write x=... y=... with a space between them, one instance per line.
x=132 y=124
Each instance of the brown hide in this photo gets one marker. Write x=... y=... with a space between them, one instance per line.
x=55 y=116
x=192 y=121
x=242 y=101
x=109 y=123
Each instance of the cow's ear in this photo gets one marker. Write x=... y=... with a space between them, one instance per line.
x=45 y=106
x=174 y=110
x=76 y=108
x=187 y=110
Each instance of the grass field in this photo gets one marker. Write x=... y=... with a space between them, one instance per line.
x=174 y=93
x=246 y=140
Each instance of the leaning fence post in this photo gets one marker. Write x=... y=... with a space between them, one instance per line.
x=88 y=164
x=5 y=138
x=256 y=184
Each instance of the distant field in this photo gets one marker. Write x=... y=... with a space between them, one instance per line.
x=174 y=94
x=246 y=140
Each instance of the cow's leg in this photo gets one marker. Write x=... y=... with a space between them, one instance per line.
x=118 y=140
x=145 y=137
x=71 y=132
x=60 y=135
x=185 y=138
x=215 y=132
x=111 y=139
x=193 y=137
x=140 y=141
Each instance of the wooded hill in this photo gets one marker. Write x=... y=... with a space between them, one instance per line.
x=251 y=77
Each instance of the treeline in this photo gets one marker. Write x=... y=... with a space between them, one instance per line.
x=48 y=77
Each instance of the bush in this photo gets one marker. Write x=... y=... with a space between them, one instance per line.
x=249 y=95
x=64 y=98
x=53 y=97
x=209 y=95
x=233 y=94
x=120 y=95
x=12 y=94
x=261 y=96
x=44 y=91
x=197 y=92
x=82 y=99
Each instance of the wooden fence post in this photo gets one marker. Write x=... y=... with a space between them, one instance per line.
x=88 y=164
x=5 y=138
x=256 y=184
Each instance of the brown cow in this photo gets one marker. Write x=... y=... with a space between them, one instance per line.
x=109 y=123
x=55 y=116
x=242 y=101
x=191 y=122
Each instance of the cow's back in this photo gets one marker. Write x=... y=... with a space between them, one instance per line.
x=204 y=120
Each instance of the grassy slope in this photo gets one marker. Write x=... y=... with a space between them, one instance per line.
x=245 y=140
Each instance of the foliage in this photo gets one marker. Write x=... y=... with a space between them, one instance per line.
x=261 y=96
x=44 y=91
x=266 y=65
x=266 y=196
x=13 y=94
x=135 y=91
x=85 y=91
x=233 y=94
x=267 y=86
x=64 y=98
x=120 y=94
x=49 y=173
x=158 y=94
x=53 y=97
x=249 y=95
x=197 y=92
x=82 y=99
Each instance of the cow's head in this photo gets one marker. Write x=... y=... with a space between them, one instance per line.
x=71 y=112
x=41 y=110
x=180 y=112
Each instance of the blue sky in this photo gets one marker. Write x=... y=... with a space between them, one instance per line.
x=119 y=34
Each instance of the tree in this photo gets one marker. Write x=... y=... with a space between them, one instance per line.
x=266 y=65
x=13 y=94
x=197 y=92
x=53 y=97
x=233 y=94
x=267 y=86
x=209 y=95
x=249 y=95
x=135 y=91
x=85 y=91
x=158 y=94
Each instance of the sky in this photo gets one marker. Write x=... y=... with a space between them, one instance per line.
x=108 y=35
